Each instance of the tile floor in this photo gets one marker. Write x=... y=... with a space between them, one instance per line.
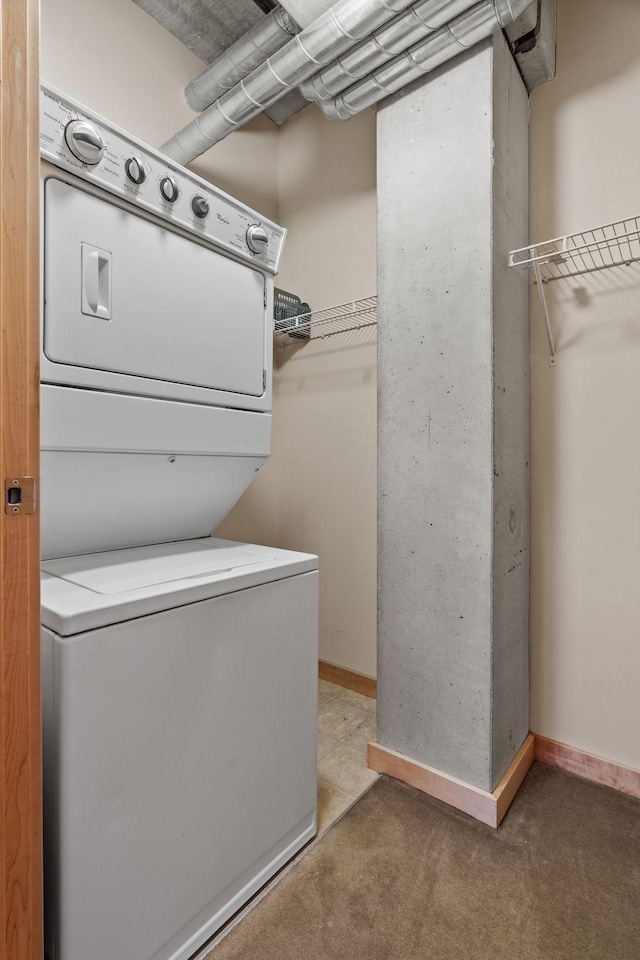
x=346 y=723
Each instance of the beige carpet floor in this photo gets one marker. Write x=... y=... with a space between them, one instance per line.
x=403 y=877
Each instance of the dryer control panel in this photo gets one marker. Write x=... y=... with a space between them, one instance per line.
x=96 y=150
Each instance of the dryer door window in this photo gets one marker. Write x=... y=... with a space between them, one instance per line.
x=127 y=296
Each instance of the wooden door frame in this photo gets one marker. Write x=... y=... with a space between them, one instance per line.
x=20 y=732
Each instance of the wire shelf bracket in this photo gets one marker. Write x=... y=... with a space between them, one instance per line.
x=355 y=315
x=612 y=245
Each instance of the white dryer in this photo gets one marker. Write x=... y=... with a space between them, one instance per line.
x=179 y=671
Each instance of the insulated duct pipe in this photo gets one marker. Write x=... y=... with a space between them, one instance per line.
x=465 y=31
x=305 y=12
x=247 y=53
x=386 y=42
x=344 y=24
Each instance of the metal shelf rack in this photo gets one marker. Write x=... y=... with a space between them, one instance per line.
x=612 y=245
x=355 y=315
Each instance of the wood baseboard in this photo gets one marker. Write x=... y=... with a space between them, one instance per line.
x=348 y=679
x=588 y=766
x=489 y=808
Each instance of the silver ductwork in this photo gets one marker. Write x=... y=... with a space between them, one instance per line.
x=463 y=32
x=386 y=42
x=305 y=12
x=247 y=53
x=343 y=28
x=345 y=23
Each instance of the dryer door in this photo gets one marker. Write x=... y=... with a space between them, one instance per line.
x=126 y=298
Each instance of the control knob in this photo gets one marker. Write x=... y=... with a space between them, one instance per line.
x=200 y=207
x=134 y=169
x=84 y=141
x=257 y=238
x=169 y=189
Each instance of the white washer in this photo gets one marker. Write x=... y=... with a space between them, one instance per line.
x=179 y=671
x=179 y=702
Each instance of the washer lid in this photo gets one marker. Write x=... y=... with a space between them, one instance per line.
x=121 y=571
x=96 y=590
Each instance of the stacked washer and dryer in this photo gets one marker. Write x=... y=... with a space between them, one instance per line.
x=179 y=671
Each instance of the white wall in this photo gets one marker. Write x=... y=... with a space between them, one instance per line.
x=115 y=58
x=586 y=412
x=327 y=391
x=318 y=493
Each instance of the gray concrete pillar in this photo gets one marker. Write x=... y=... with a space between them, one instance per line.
x=453 y=676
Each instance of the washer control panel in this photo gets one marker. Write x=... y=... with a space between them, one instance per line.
x=97 y=151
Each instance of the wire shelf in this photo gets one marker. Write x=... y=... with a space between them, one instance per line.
x=612 y=245
x=355 y=315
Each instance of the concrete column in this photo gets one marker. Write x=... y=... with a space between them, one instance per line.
x=453 y=676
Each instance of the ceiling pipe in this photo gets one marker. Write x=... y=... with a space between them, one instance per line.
x=476 y=24
x=247 y=53
x=305 y=12
x=343 y=26
x=388 y=41
x=345 y=23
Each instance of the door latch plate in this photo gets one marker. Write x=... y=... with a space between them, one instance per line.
x=19 y=496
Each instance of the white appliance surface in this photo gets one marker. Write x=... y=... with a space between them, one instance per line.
x=180 y=768
x=86 y=592
x=98 y=501
x=119 y=471
x=120 y=571
x=91 y=420
x=127 y=296
x=227 y=222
